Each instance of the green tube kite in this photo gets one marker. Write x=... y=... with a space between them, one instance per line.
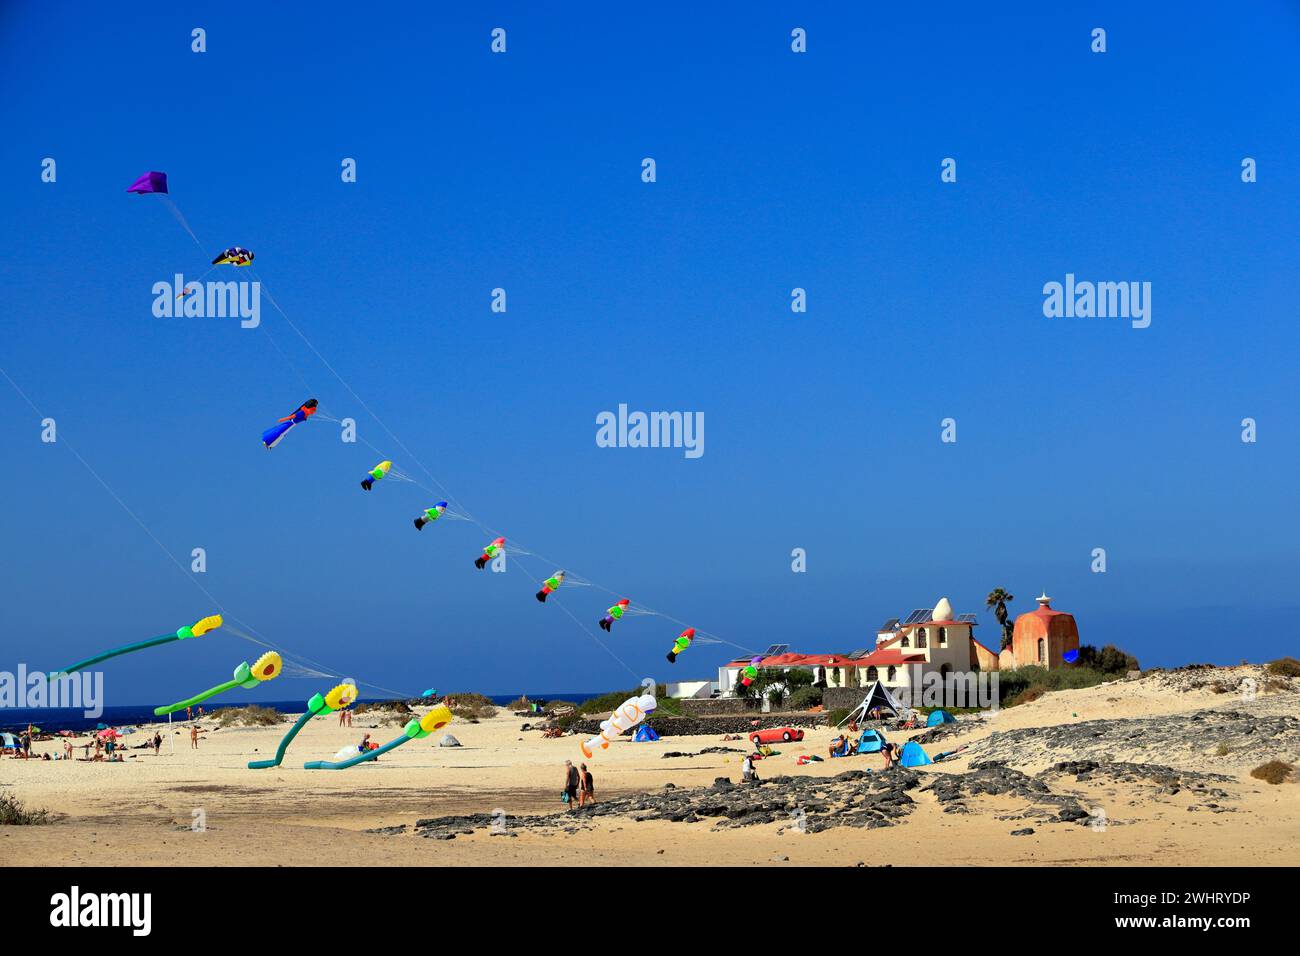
x=267 y=668
x=435 y=719
x=338 y=698
x=197 y=629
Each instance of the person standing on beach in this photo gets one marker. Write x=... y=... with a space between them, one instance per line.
x=189 y=713
x=887 y=752
x=586 y=788
x=194 y=736
x=157 y=743
x=571 y=781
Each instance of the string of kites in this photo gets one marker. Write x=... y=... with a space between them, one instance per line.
x=269 y=666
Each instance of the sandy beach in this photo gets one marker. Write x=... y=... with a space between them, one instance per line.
x=140 y=811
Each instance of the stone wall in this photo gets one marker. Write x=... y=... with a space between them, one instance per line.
x=842 y=698
x=693 y=707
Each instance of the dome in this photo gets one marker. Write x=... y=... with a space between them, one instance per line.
x=942 y=611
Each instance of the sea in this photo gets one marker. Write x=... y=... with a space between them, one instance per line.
x=53 y=719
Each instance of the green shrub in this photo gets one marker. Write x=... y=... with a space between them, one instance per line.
x=394 y=711
x=252 y=715
x=1284 y=667
x=14 y=813
x=804 y=698
x=471 y=706
x=835 y=716
x=1109 y=660
x=604 y=705
x=1275 y=771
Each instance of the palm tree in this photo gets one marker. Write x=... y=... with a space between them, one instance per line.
x=997 y=601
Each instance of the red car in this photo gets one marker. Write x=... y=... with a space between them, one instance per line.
x=773 y=734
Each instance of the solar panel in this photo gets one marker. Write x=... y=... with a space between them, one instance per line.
x=967 y=619
x=920 y=614
x=860 y=652
x=889 y=625
x=776 y=650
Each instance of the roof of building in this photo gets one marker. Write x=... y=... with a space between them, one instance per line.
x=1044 y=609
x=886 y=657
x=792 y=660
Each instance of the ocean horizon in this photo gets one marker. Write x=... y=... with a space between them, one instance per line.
x=53 y=719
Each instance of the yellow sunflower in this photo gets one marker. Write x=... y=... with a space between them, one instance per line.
x=268 y=666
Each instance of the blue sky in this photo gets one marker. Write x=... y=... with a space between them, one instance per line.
x=522 y=171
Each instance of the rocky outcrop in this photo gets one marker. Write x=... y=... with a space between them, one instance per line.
x=1227 y=738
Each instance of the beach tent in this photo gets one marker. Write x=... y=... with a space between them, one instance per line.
x=871 y=742
x=449 y=741
x=938 y=717
x=913 y=755
x=877 y=696
x=645 y=733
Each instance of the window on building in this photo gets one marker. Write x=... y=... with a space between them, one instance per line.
x=943 y=637
x=1041 y=647
x=893 y=674
x=920 y=637
x=872 y=674
x=906 y=640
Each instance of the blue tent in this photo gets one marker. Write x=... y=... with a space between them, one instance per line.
x=644 y=733
x=871 y=742
x=939 y=717
x=913 y=755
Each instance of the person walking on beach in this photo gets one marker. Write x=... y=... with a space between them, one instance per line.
x=194 y=736
x=189 y=713
x=25 y=743
x=586 y=788
x=157 y=743
x=571 y=781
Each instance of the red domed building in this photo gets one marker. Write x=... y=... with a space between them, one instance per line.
x=1041 y=637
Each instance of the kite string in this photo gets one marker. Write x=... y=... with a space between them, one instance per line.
x=153 y=537
x=382 y=424
x=134 y=517
x=442 y=488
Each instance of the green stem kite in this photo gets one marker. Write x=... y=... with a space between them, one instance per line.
x=267 y=668
x=198 y=629
x=338 y=698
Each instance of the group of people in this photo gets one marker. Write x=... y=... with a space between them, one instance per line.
x=579 y=788
x=842 y=746
x=99 y=747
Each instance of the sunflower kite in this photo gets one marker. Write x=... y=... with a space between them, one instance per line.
x=267 y=667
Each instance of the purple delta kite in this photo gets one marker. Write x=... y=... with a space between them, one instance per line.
x=149 y=183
